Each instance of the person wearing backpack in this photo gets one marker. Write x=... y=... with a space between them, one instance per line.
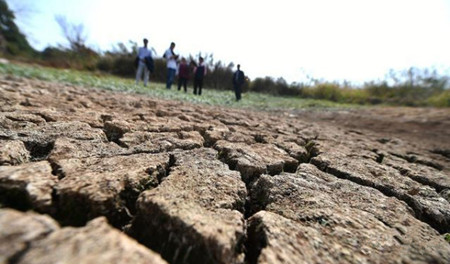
x=171 y=59
x=199 y=74
x=144 y=63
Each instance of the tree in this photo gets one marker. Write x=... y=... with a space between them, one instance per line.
x=74 y=33
x=12 y=41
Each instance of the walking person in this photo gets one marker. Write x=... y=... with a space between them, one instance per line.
x=199 y=74
x=144 y=55
x=183 y=74
x=171 y=59
x=238 y=81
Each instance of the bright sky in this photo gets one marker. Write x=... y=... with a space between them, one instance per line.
x=354 y=40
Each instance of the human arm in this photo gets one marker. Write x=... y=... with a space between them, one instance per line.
x=242 y=77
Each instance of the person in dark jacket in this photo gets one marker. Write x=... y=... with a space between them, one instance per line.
x=238 y=81
x=199 y=74
x=183 y=74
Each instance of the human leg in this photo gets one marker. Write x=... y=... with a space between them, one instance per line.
x=195 y=86
x=170 y=77
x=146 y=75
x=185 y=84
x=139 y=70
x=200 y=86
x=237 y=91
x=180 y=82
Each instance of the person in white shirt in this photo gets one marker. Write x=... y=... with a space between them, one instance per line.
x=143 y=53
x=171 y=58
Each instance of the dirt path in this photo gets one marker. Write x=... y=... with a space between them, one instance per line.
x=108 y=177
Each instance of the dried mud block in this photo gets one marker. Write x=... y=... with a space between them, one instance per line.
x=51 y=131
x=421 y=173
x=195 y=214
x=18 y=230
x=314 y=217
x=114 y=130
x=161 y=142
x=91 y=117
x=95 y=243
x=296 y=151
x=163 y=124
x=215 y=132
x=240 y=137
x=68 y=148
x=23 y=117
x=108 y=187
x=10 y=126
x=13 y=152
x=33 y=238
x=39 y=140
x=416 y=158
x=27 y=186
x=427 y=204
x=254 y=160
x=236 y=121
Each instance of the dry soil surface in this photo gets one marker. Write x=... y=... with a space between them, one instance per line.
x=93 y=176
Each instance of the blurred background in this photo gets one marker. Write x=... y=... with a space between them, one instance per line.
x=362 y=52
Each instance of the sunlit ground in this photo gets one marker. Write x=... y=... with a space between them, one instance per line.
x=209 y=96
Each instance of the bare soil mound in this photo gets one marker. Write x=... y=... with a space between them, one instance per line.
x=93 y=176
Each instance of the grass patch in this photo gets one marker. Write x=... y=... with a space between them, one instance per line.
x=209 y=97
x=447 y=237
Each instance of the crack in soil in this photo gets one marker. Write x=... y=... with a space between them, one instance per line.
x=170 y=236
x=174 y=246
x=380 y=156
x=251 y=250
x=415 y=159
x=420 y=179
x=256 y=241
x=114 y=133
x=38 y=150
x=443 y=152
x=18 y=255
x=56 y=169
x=421 y=213
x=72 y=210
x=163 y=172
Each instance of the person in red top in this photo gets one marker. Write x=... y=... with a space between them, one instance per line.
x=183 y=74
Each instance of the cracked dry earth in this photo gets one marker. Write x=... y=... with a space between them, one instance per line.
x=93 y=176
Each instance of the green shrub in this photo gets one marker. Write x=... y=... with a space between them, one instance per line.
x=123 y=66
x=355 y=96
x=379 y=90
x=106 y=64
x=440 y=100
x=84 y=59
x=447 y=237
x=327 y=91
